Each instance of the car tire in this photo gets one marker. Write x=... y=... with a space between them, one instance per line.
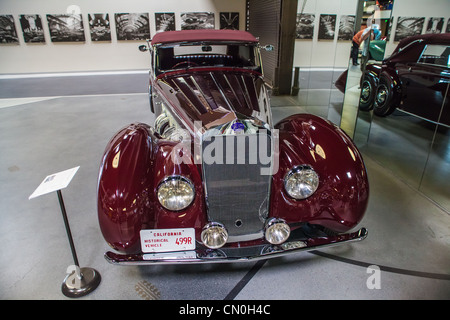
x=367 y=94
x=384 y=97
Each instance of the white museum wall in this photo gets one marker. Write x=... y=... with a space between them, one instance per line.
x=417 y=8
x=336 y=53
x=324 y=53
x=123 y=55
x=88 y=55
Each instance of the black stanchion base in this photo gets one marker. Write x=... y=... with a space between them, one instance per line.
x=75 y=288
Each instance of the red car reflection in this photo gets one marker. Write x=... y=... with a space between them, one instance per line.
x=414 y=79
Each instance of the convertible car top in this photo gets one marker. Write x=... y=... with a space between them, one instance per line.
x=411 y=48
x=202 y=36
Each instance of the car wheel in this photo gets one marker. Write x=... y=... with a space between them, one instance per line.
x=367 y=94
x=384 y=98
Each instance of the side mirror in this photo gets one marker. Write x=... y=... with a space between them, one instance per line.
x=143 y=48
x=268 y=47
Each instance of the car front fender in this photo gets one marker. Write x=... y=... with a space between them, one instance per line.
x=342 y=196
x=124 y=187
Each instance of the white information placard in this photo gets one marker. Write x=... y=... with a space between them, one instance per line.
x=54 y=182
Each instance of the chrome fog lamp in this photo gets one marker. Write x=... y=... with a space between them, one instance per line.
x=214 y=235
x=277 y=231
x=175 y=193
x=301 y=182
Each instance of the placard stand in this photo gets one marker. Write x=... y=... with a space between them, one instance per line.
x=82 y=280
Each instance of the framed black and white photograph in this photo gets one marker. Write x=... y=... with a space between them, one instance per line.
x=408 y=26
x=99 y=26
x=165 y=21
x=327 y=26
x=132 y=26
x=305 y=26
x=346 y=27
x=197 y=20
x=8 y=32
x=229 y=20
x=66 y=27
x=435 y=25
x=32 y=30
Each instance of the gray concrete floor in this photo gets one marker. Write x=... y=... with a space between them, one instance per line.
x=53 y=127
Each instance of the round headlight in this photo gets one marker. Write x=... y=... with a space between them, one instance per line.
x=176 y=193
x=214 y=235
x=277 y=231
x=301 y=182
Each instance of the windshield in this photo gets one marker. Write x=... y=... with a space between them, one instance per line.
x=182 y=56
x=436 y=54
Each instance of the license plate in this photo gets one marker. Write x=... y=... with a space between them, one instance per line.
x=165 y=240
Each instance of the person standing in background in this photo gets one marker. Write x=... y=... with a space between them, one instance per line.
x=375 y=34
x=358 y=38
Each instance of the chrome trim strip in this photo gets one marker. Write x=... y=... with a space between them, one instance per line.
x=224 y=96
x=227 y=255
x=246 y=94
x=201 y=96
x=234 y=91
x=409 y=44
x=425 y=119
x=246 y=237
x=190 y=103
x=421 y=54
x=176 y=177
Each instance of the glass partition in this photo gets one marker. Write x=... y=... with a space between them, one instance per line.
x=411 y=138
x=372 y=28
x=413 y=147
x=436 y=175
x=322 y=47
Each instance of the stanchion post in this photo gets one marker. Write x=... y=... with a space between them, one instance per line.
x=295 y=87
x=79 y=281
x=66 y=224
x=82 y=280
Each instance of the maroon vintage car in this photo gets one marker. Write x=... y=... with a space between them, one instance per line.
x=214 y=180
x=414 y=79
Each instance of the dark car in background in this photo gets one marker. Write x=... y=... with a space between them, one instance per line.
x=413 y=79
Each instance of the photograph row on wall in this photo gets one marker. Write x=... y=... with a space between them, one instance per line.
x=406 y=26
x=129 y=26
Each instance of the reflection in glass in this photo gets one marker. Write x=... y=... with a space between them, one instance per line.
x=376 y=23
x=359 y=54
x=322 y=45
x=411 y=137
x=400 y=143
x=436 y=176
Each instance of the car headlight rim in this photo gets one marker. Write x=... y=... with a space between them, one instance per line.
x=214 y=235
x=175 y=193
x=301 y=182
x=276 y=231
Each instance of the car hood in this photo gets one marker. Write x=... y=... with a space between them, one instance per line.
x=217 y=96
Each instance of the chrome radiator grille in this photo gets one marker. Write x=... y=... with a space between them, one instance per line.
x=237 y=194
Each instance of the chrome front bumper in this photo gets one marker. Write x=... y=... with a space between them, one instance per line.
x=299 y=241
